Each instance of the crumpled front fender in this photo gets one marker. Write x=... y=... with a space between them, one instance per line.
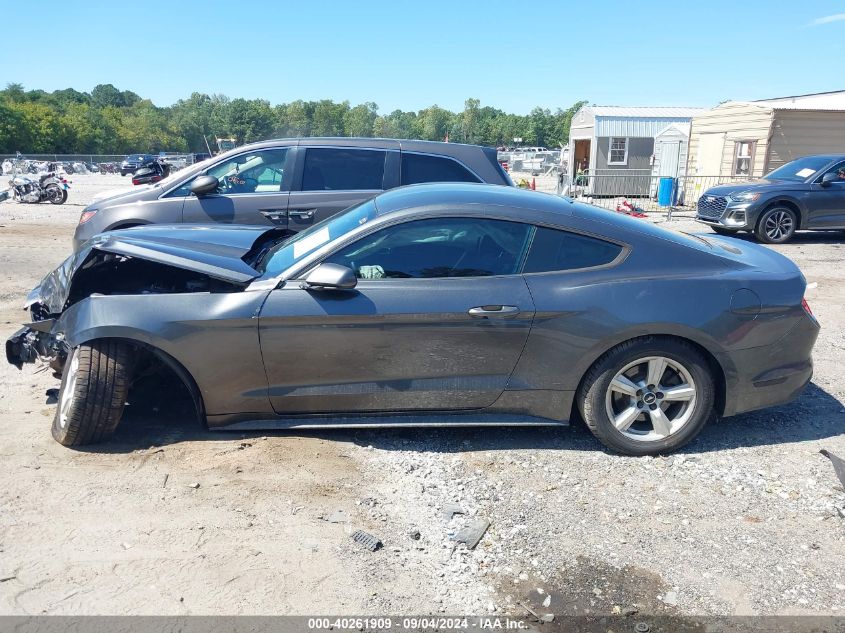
x=214 y=336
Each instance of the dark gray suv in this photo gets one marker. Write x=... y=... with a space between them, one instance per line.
x=807 y=193
x=289 y=183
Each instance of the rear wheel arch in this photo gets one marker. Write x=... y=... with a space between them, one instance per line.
x=718 y=371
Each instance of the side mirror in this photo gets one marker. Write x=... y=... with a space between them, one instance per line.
x=331 y=276
x=203 y=185
x=829 y=177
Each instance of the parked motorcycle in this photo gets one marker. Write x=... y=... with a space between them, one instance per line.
x=151 y=172
x=48 y=187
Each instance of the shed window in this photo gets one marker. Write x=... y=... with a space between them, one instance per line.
x=618 y=154
x=744 y=157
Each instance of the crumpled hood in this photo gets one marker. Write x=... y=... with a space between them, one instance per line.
x=214 y=250
x=761 y=185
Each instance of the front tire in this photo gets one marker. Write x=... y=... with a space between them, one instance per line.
x=95 y=383
x=648 y=396
x=776 y=225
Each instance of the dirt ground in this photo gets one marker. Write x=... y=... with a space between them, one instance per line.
x=169 y=518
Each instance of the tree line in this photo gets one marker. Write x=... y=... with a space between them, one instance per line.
x=112 y=121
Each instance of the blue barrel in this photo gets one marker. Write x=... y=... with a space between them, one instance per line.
x=666 y=192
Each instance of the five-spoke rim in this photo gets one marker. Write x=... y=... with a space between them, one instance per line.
x=779 y=225
x=66 y=401
x=651 y=398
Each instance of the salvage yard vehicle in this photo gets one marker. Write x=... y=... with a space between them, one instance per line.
x=807 y=193
x=429 y=305
x=289 y=183
x=48 y=187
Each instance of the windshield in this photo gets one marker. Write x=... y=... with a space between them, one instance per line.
x=285 y=254
x=799 y=170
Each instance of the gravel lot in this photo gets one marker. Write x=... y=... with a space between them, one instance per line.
x=169 y=518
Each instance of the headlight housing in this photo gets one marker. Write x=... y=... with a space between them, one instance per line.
x=87 y=215
x=748 y=196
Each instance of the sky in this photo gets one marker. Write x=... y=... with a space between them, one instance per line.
x=410 y=55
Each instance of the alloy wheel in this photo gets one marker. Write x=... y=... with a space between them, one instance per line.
x=778 y=225
x=651 y=398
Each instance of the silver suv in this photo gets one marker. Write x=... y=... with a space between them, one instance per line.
x=289 y=183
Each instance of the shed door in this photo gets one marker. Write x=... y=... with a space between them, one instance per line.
x=670 y=154
x=710 y=150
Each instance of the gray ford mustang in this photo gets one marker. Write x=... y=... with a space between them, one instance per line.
x=429 y=305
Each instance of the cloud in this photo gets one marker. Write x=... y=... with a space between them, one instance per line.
x=836 y=17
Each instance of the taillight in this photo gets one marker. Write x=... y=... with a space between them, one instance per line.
x=807 y=309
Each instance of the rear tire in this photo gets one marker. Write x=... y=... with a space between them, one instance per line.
x=659 y=420
x=55 y=194
x=776 y=225
x=95 y=383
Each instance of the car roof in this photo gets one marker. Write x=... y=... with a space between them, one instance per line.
x=830 y=157
x=523 y=205
x=438 y=147
x=459 y=196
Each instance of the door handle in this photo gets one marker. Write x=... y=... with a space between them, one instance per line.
x=304 y=214
x=277 y=216
x=496 y=312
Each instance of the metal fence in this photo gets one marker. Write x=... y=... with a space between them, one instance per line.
x=68 y=158
x=77 y=163
x=642 y=191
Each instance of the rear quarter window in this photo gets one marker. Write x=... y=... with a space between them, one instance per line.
x=343 y=169
x=553 y=249
x=419 y=168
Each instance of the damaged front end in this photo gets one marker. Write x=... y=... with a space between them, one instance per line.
x=35 y=340
x=148 y=261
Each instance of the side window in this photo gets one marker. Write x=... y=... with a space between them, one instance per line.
x=552 y=250
x=839 y=170
x=343 y=169
x=261 y=171
x=418 y=168
x=438 y=247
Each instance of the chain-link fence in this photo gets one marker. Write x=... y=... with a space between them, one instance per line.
x=62 y=158
x=77 y=163
x=643 y=192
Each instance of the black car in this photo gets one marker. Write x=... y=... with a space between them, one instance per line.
x=808 y=193
x=132 y=162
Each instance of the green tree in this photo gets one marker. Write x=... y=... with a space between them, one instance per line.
x=104 y=95
x=359 y=120
x=433 y=123
x=469 y=120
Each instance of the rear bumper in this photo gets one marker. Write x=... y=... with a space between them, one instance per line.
x=774 y=374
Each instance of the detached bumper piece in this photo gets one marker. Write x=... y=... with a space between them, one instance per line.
x=20 y=347
x=28 y=345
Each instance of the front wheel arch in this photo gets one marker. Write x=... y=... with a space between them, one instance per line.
x=128 y=224
x=179 y=370
x=789 y=204
x=144 y=348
